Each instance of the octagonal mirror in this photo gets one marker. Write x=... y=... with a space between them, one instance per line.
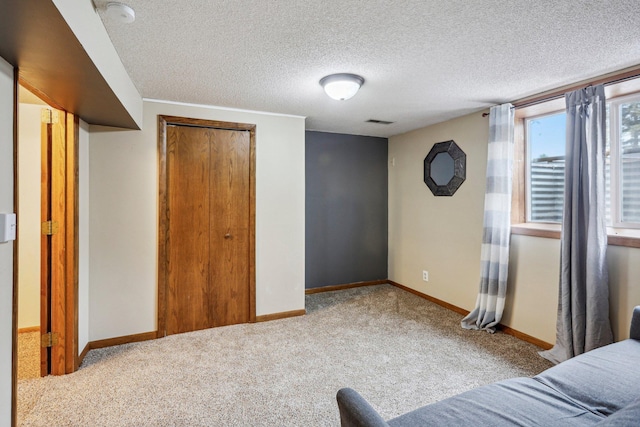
x=445 y=168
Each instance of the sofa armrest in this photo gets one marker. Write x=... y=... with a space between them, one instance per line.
x=635 y=324
x=355 y=411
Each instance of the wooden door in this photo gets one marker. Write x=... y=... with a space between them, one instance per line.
x=208 y=249
x=46 y=137
x=229 y=226
x=58 y=259
x=52 y=297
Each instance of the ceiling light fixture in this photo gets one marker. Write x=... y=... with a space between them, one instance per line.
x=121 y=12
x=341 y=86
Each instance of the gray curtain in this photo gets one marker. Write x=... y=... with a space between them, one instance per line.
x=583 y=304
x=494 y=256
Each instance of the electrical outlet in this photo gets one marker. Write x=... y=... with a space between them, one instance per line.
x=425 y=275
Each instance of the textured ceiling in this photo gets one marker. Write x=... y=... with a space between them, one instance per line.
x=424 y=61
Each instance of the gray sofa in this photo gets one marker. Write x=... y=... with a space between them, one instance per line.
x=600 y=387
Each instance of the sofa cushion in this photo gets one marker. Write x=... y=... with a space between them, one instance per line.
x=603 y=380
x=625 y=417
x=513 y=402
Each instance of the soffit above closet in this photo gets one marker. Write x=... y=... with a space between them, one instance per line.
x=35 y=37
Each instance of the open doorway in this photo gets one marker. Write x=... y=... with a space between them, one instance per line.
x=47 y=266
x=29 y=260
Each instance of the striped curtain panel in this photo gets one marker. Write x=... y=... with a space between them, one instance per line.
x=497 y=223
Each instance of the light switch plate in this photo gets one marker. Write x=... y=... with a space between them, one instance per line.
x=7 y=227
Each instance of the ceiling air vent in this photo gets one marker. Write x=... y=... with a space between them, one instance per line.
x=380 y=122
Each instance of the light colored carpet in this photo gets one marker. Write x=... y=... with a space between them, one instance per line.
x=28 y=355
x=398 y=350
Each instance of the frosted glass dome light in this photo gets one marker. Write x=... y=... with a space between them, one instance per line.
x=341 y=86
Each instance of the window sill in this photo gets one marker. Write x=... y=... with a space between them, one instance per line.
x=616 y=236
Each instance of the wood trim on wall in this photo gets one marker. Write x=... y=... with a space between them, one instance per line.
x=548 y=231
x=613 y=77
x=163 y=222
x=127 y=339
x=29 y=329
x=71 y=219
x=441 y=303
x=82 y=355
x=506 y=329
x=620 y=240
x=281 y=315
x=45 y=243
x=252 y=224
x=109 y=342
x=624 y=237
x=163 y=211
x=58 y=174
x=332 y=288
x=525 y=337
x=518 y=195
x=147 y=336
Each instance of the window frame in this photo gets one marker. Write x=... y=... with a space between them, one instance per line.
x=617 y=236
x=616 y=159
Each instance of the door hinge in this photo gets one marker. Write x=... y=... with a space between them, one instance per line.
x=49 y=339
x=48 y=116
x=49 y=228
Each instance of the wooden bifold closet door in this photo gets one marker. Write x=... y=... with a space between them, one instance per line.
x=209 y=227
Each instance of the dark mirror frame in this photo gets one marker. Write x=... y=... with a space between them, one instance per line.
x=459 y=168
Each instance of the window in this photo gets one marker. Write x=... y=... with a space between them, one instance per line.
x=545 y=155
x=625 y=158
x=545 y=138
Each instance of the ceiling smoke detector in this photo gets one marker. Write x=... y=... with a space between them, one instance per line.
x=120 y=12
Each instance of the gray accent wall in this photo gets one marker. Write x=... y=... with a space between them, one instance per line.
x=346 y=209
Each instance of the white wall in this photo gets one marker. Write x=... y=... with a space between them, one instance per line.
x=534 y=276
x=123 y=182
x=83 y=236
x=29 y=169
x=443 y=235
x=532 y=296
x=6 y=249
x=624 y=280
